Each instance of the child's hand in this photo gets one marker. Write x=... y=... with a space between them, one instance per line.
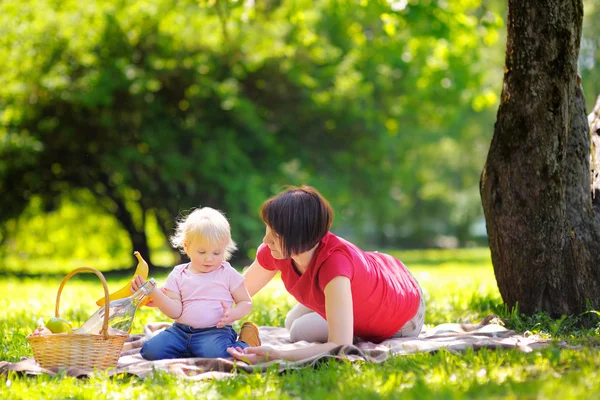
x=136 y=283
x=227 y=318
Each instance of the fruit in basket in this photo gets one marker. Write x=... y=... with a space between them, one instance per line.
x=59 y=325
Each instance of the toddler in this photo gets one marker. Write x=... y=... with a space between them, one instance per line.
x=199 y=295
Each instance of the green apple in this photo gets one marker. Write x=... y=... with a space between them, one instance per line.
x=59 y=325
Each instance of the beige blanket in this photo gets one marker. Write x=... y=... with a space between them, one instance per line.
x=453 y=337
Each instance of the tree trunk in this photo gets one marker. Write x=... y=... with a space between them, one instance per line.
x=535 y=187
x=138 y=238
x=137 y=234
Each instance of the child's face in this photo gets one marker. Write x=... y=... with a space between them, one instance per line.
x=204 y=255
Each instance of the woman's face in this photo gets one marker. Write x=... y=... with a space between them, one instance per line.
x=274 y=242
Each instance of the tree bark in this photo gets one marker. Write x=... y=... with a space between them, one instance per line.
x=535 y=187
x=137 y=235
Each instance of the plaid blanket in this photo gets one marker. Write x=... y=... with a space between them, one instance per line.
x=452 y=336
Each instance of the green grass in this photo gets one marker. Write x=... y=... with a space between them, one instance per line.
x=459 y=287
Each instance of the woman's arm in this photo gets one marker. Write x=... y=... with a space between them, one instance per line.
x=340 y=321
x=256 y=277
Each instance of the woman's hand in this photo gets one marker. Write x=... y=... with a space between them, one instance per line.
x=253 y=355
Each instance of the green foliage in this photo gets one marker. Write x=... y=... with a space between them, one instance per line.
x=589 y=54
x=158 y=107
x=459 y=286
x=72 y=236
x=155 y=107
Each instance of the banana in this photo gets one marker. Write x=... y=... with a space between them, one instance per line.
x=125 y=291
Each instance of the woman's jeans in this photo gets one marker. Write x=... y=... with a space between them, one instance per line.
x=182 y=341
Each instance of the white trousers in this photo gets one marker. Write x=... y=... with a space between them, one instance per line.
x=305 y=324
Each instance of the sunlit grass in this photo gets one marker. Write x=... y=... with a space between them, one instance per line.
x=459 y=287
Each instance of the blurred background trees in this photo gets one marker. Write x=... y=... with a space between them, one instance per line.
x=118 y=116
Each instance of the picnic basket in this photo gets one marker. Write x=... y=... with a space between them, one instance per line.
x=93 y=351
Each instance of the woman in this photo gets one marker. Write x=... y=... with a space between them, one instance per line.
x=342 y=291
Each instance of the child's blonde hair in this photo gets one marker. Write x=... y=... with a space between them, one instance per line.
x=208 y=223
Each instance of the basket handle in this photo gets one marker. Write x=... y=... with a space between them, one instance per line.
x=104 y=330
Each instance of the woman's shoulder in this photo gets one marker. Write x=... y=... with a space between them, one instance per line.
x=333 y=259
x=339 y=241
x=331 y=244
x=337 y=250
x=333 y=249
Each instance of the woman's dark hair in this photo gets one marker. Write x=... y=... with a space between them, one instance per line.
x=300 y=216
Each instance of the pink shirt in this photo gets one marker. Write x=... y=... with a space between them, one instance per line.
x=202 y=294
x=384 y=294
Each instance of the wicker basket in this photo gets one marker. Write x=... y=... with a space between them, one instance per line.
x=66 y=350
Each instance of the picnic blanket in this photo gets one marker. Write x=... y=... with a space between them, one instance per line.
x=454 y=337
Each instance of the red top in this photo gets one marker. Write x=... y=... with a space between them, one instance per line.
x=384 y=294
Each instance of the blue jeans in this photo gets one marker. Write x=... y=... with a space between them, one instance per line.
x=182 y=341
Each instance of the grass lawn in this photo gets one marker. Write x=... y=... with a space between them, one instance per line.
x=459 y=287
